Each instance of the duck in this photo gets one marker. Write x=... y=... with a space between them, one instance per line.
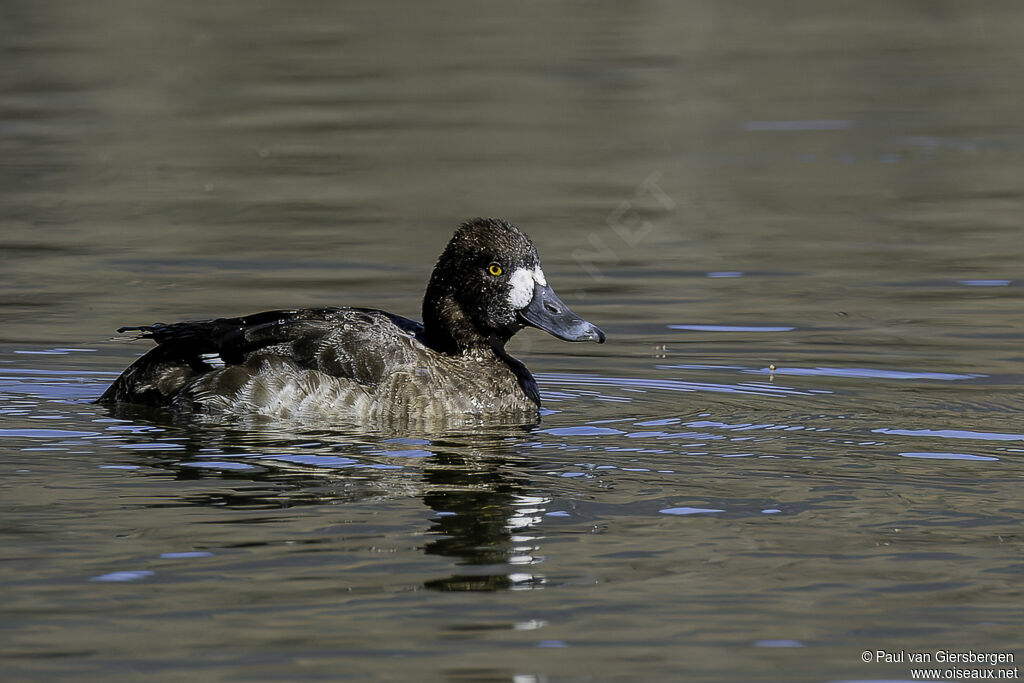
x=347 y=364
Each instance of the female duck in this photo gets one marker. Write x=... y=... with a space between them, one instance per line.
x=355 y=364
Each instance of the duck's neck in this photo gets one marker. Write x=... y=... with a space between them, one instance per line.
x=447 y=329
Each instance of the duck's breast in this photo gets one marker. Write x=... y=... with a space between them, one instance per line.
x=362 y=366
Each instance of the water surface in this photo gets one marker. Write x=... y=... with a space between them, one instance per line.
x=800 y=228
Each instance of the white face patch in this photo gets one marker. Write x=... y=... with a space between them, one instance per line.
x=521 y=283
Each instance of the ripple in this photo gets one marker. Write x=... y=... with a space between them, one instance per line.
x=985 y=283
x=688 y=511
x=552 y=643
x=731 y=328
x=798 y=124
x=155 y=446
x=948 y=456
x=872 y=373
x=218 y=465
x=120 y=577
x=582 y=431
x=747 y=388
x=72 y=373
x=332 y=461
x=407 y=453
x=780 y=642
x=44 y=433
x=41 y=352
x=951 y=434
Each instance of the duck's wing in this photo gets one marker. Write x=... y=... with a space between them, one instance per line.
x=352 y=343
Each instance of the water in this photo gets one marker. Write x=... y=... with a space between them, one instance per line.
x=724 y=188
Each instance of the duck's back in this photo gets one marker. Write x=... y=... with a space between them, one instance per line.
x=325 y=363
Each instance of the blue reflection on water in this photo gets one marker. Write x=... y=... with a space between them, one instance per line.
x=44 y=433
x=948 y=456
x=584 y=430
x=985 y=283
x=859 y=373
x=781 y=642
x=688 y=511
x=952 y=434
x=117 y=577
x=873 y=373
x=332 y=461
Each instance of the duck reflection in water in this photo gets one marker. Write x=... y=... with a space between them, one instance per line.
x=486 y=511
x=486 y=518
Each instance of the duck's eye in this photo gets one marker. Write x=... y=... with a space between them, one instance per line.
x=494 y=269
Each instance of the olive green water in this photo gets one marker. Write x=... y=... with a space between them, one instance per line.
x=834 y=190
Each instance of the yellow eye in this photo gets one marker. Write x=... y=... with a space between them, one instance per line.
x=494 y=269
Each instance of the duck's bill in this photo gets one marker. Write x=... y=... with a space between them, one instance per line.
x=549 y=313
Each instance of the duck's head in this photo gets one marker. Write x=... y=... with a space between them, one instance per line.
x=487 y=285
